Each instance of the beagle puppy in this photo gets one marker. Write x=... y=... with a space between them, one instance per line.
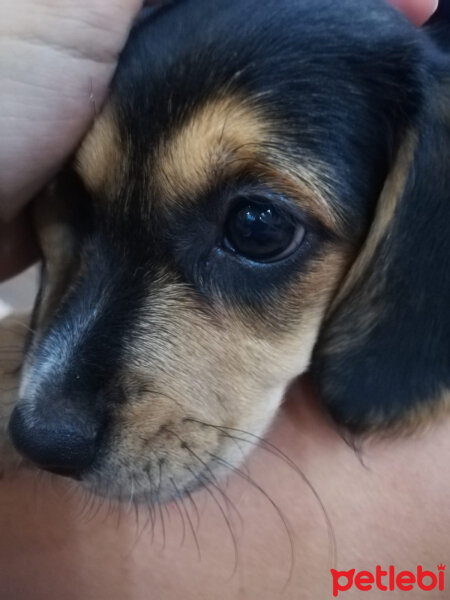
x=267 y=190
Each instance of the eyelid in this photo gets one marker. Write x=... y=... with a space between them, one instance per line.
x=264 y=197
x=284 y=205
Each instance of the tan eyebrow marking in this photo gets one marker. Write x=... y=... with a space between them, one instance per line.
x=187 y=160
x=228 y=136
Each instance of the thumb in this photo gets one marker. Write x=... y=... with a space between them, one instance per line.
x=417 y=11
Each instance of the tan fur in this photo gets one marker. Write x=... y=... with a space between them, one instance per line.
x=101 y=155
x=212 y=142
x=387 y=204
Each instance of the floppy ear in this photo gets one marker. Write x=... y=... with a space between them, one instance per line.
x=384 y=353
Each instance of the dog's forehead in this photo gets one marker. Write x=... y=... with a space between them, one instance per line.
x=225 y=138
x=206 y=89
x=184 y=159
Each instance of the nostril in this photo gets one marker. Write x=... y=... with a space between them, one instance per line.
x=65 y=444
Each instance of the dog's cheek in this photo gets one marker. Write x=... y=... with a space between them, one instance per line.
x=192 y=401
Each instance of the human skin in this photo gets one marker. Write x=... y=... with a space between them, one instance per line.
x=387 y=504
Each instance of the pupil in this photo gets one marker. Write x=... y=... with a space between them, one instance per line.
x=259 y=232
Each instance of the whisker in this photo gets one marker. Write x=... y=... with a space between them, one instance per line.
x=151 y=504
x=130 y=499
x=188 y=517
x=136 y=515
x=140 y=533
x=97 y=507
x=183 y=524
x=194 y=506
x=90 y=507
x=149 y=519
x=215 y=483
x=275 y=451
x=201 y=479
x=163 y=526
x=241 y=474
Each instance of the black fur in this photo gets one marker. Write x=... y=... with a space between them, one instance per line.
x=403 y=362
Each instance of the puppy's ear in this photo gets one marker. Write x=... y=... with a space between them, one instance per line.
x=384 y=353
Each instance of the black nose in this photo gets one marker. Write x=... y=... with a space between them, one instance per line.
x=64 y=443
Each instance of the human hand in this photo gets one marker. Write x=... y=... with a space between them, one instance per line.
x=57 y=59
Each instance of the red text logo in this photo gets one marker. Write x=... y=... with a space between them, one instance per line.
x=388 y=580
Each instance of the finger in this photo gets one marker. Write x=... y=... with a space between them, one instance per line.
x=417 y=11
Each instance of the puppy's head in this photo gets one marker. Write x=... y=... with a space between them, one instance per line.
x=259 y=169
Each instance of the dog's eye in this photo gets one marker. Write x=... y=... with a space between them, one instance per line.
x=260 y=232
